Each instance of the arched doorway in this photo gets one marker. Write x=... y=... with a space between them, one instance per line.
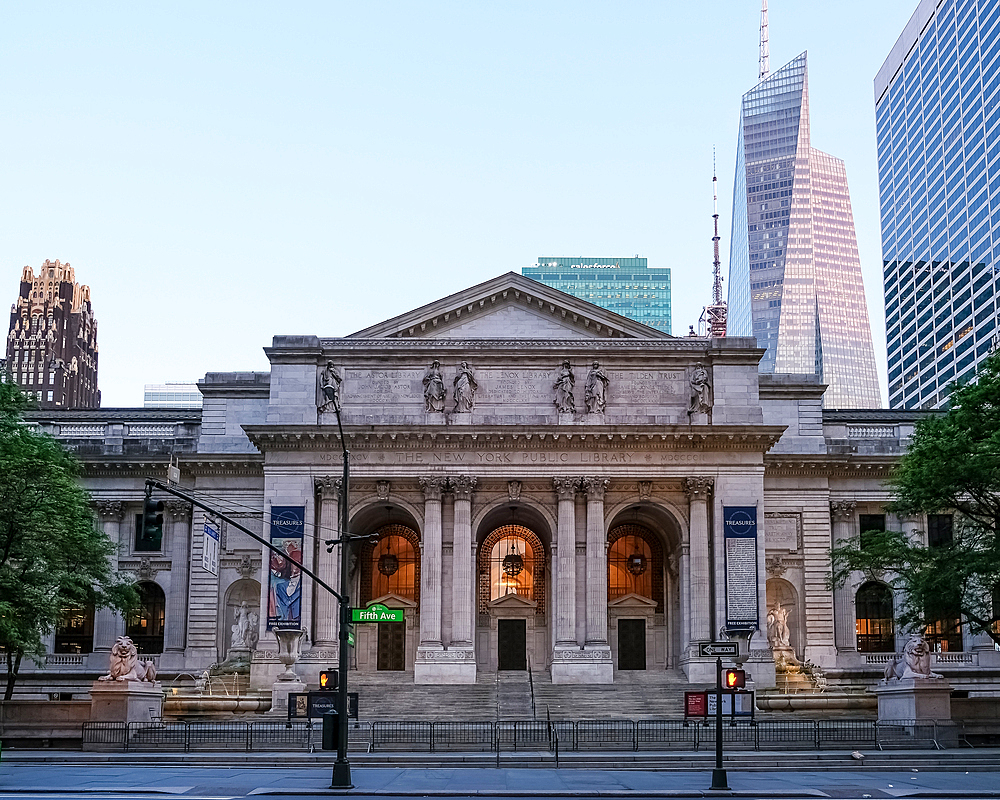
x=390 y=567
x=635 y=593
x=144 y=625
x=511 y=603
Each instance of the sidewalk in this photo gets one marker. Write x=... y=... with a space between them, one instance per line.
x=267 y=779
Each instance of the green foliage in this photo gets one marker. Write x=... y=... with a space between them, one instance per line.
x=52 y=553
x=952 y=465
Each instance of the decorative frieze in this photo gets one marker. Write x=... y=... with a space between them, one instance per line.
x=699 y=488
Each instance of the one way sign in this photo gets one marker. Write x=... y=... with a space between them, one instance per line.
x=719 y=649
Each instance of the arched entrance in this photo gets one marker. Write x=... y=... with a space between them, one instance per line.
x=390 y=574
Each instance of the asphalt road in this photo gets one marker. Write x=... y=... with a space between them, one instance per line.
x=108 y=782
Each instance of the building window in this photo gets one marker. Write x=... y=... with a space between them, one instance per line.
x=392 y=564
x=144 y=626
x=75 y=630
x=635 y=563
x=874 y=623
x=512 y=565
x=870 y=523
x=939 y=529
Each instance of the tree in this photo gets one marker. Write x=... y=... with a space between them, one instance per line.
x=952 y=466
x=52 y=553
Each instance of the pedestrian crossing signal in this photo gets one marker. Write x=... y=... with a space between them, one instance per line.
x=735 y=678
x=328 y=680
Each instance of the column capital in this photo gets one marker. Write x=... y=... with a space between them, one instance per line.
x=111 y=510
x=594 y=487
x=433 y=487
x=842 y=510
x=462 y=486
x=566 y=488
x=178 y=509
x=699 y=488
x=328 y=488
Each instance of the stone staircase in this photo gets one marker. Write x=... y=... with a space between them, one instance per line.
x=633 y=695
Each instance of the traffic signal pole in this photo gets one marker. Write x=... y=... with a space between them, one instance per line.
x=342 y=767
x=718 y=774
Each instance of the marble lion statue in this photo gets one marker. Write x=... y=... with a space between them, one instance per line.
x=914 y=663
x=125 y=663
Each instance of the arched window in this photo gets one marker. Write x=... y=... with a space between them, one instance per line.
x=392 y=564
x=512 y=565
x=874 y=625
x=635 y=564
x=145 y=625
x=75 y=630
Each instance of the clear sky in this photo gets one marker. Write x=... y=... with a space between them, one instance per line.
x=219 y=173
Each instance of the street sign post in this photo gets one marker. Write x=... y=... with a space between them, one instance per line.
x=716 y=649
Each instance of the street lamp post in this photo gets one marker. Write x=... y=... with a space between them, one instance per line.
x=342 y=767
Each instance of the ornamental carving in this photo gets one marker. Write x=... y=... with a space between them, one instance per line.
x=595 y=487
x=178 y=509
x=146 y=571
x=699 y=488
x=433 y=487
x=329 y=389
x=382 y=489
x=328 y=488
x=842 y=510
x=596 y=389
x=701 y=391
x=462 y=486
x=645 y=490
x=774 y=566
x=434 y=388
x=465 y=389
x=247 y=567
x=566 y=488
x=111 y=510
x=563 y=387
x=513 y=491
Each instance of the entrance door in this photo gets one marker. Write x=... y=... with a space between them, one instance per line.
x=631 y=644
x=391 y=645
x=512 y=646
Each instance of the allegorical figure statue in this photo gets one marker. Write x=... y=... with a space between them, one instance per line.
x=434 y=388
x=778 y=634
x=245 y=634
x=595 y=393
x=329 y=384
x=701 y=391
x=565 y=381
x=465 y=389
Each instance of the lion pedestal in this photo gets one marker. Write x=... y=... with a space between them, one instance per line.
x=919 y=699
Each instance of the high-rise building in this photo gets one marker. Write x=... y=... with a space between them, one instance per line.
x=937 y=110
x=795 y=275
x=623 y=285
x=52 y=339
x=171 y=395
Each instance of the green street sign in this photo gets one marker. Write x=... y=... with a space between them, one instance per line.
x=376 y=613
x=350 y=638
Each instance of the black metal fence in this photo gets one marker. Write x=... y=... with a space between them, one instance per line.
x=514 y=735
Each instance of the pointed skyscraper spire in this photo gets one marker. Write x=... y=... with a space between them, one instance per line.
x=765 y=56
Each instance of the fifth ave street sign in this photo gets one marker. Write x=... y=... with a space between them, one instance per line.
x=719 y=649
x=376 y=613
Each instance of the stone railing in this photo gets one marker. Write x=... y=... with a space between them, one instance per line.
x=872 y=432
x=971 y=659
x=151 y=430
x=82 y=431
x=63 y=660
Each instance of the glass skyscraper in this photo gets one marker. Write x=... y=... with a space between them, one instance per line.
x=937 y=111
x=795 y=275
x=623 y=285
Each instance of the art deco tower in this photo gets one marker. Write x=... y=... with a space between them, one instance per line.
x=795 y=276
x=52 y=340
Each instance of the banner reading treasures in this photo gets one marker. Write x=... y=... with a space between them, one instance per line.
x=739 y=524
x=284 y=602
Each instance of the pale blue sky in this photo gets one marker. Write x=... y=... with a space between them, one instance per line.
x=222 y=172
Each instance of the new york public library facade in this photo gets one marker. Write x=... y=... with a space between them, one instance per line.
x=563 y=506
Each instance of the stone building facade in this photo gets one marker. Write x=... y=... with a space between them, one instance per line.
x=542 y=482
x=52 y=339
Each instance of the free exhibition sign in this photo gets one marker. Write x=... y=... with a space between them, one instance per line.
x=376 y=612
x=739 y=525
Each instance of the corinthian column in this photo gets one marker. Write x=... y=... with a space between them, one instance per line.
x=597 y=568
x=175 y=633
x=844 y=620
x=108 y=624
x=430 y=566
x=461 y=590
x=698 y=491
x=325 y=621
x=566 y=489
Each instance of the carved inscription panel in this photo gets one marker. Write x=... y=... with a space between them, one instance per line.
x=383 y=386
x=652 y=387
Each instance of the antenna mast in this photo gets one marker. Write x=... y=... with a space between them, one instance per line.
x=715 y=314
x=765 y=56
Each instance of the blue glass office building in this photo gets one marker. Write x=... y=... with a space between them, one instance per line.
x=795 y=275
x=937 y=109
x=623 y=285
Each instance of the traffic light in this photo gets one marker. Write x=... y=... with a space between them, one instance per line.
x=735 y=679
x=151 y=532
x=329 y=679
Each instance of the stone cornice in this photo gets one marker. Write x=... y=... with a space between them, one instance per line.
x=757 y=438
x=829 y=465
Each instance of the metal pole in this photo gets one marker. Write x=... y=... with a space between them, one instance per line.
x=718 y=774
x=342 y=767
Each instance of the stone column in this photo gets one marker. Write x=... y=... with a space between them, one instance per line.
x=699 y=490
x=430 y=566
x=844 y=624
x=684 y=574
x=175 y=633
x=461 y=595
x=566 y=489
x=326 y=620
x=597 y=567
x=108 y=624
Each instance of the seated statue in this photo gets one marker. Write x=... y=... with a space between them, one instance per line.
x=914 y=663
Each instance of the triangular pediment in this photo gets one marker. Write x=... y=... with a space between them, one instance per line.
x=393 y=601
x=632 y=600
x=509 y=601
x=510 y=306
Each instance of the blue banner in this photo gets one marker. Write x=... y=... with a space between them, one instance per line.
x=284 y=601
x=739 y=526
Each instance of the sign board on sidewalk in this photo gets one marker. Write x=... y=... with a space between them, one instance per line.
x=376 y=612
x=695 y=704
x=744 y=703
x=210 y=550
x=308 y=705
x=719 y=649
